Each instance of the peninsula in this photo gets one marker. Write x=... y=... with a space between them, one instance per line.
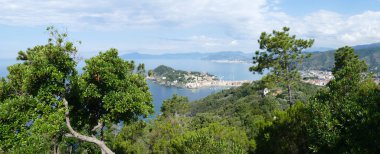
x=168 y=76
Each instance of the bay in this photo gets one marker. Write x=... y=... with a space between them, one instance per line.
x=224 y=71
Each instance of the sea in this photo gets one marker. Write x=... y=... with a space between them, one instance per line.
x=224 y=71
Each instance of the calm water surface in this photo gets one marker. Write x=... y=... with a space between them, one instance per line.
x=225 y=71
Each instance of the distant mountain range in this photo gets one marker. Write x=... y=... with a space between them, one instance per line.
x=223 y=55
x=325 y=60
x=229 y=56
x=322 y=58
x=190 y=55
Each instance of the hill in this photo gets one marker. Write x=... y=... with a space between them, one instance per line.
x=325 y=60
x=170 y=77
x=240 y=105
x=225 y=122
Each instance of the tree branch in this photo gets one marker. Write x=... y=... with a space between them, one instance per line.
x=79 y=136
x=100 y=125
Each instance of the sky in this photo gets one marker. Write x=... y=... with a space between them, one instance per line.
x=177 y=26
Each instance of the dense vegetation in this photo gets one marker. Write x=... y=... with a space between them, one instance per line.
x=339 y=118
x=281 y=54
x=47 y=107
x=169 y=73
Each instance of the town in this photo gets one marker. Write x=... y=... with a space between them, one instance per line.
x=316 y=77
x=168 y=76
x=321 y=78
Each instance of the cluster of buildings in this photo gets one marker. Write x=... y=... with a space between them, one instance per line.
x=320 y=78
x=195 y=80
x=376 y=78
x=215 y=83
x=207 y=80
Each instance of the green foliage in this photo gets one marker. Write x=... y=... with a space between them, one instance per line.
x=287 y=133
x=213 y=139
x=342 y=112
x=170 y=76
x=347 y=72
x=130 y=139
x=174 y=106
x=338 y=119
x=32 y=114
x=150 y=73
x=109 y=91
x=247 y=109
x=282 y=53
x=32 y=91
x=141 y=69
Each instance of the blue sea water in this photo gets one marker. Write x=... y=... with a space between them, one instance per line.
x=225 y=71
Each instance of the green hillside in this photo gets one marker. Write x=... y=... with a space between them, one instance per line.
x=166 y=75
x=325 y=60
x=225 y=122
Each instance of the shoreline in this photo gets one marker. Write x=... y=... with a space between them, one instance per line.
x=202 y=84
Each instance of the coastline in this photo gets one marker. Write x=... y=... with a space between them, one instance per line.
x=201 y=84
x=229 y=61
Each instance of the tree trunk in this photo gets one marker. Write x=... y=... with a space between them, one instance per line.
x=70 y=149
x=79 y=136
x=290 y=99
x=55 y=146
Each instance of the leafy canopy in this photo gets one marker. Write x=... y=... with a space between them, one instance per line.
x=32 y=112
x=282 y=52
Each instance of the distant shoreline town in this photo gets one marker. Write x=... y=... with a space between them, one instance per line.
x=316 y=77
x=321 y=78
x=229 y=61
x=168 y=76
x=202 y=83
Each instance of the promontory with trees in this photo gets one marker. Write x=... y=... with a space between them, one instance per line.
x=168 y=76
x=46 y=106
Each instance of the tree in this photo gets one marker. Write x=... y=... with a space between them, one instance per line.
x=282 y=53
x=141 y=69
x=174 y=106
x=50 y=102
x=344 y=114
x=214 y=138
x=150 y=73
x=287 y=133
x=348 y=72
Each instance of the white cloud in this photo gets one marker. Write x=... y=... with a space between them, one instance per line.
x=234 y=42
x=333 y=29
x=245 y=18
x=98 y=13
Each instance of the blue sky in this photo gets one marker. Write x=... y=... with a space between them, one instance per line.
x=170 y=26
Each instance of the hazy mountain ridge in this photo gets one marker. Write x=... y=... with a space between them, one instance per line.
x=229 y=56
x=325 y=60
x=222 y=55
x=320 y=60
x=189 y=55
